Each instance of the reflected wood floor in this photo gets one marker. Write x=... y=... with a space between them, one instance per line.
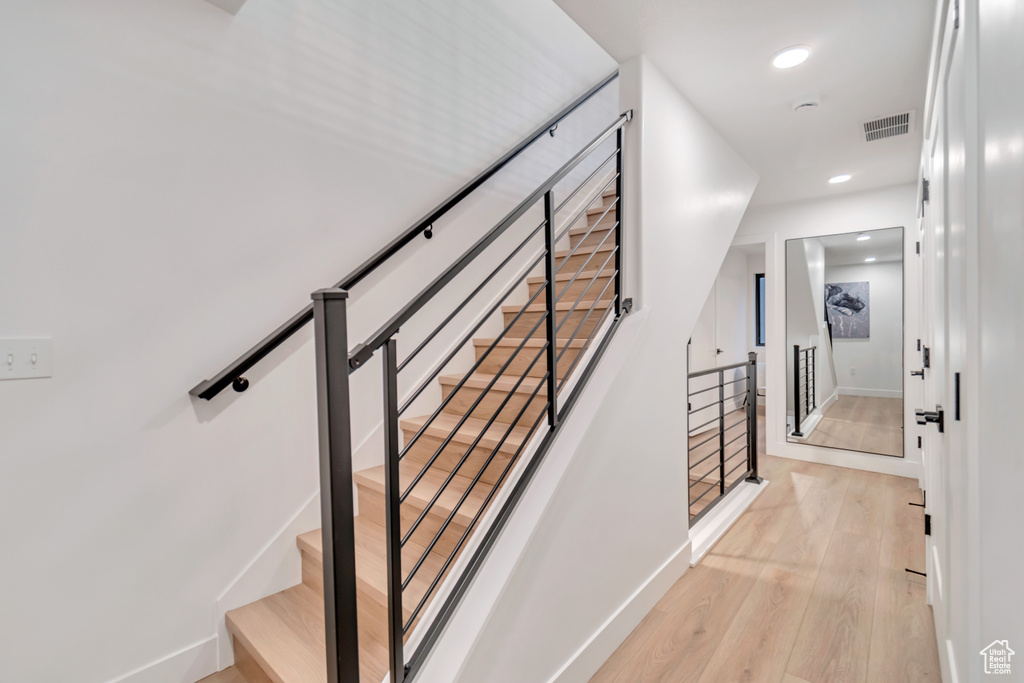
x=808 y=586
x=862 y=423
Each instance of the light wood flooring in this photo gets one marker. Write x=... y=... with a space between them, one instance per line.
x=807 y=587
x=862 y=423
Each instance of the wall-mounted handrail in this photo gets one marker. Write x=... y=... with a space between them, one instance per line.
x=232 y=373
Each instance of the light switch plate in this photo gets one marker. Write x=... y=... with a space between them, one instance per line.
x=26 y=358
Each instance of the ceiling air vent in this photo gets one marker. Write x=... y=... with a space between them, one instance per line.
x=889 y=126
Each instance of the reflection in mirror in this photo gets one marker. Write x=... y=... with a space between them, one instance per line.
x=844 y=335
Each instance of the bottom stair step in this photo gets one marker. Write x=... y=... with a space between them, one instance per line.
x=284 y=634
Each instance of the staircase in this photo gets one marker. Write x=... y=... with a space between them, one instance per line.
x=281 y=637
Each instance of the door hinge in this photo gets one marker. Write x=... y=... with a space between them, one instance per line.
x=919 y=442
x=918 y=344
x=926 y=357
x=917 y=248
x=925 y=190
x=956 y=14
x=927 y=524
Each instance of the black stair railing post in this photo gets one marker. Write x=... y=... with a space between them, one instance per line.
x=812 y=361
x=721 y=431
x=752 y=418
x=618 y=222
x=549 y=298
x=796 y=391
x=807 y=382
x=393 y=514
x=336 y=496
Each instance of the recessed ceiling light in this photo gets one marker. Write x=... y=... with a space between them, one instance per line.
x=835 y=180
x=790 y=57
x=863 y=238
x=869 y=259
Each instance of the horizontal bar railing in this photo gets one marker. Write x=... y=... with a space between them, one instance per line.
x=804 y=389
x=364 y=351
x=233 y=373
x=498 y=414
x=715 y=481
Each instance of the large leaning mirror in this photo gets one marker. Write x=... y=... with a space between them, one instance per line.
x=844 y=341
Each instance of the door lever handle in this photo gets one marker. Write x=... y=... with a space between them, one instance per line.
x=917 y=373
x=936 y=416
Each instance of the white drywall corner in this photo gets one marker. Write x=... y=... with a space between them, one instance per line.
x=229 y=6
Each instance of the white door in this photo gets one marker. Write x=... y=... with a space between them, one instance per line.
x=933 y=340
x=944 y=214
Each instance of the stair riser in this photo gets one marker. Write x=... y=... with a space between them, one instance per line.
x=312 y=573
x=427 y=445
x=494 y=361
x=596 y=237
x=579 y=260
x=589 y=287
x=247 y=665
x=492 y=401
x=371 y=504
x=526 y=322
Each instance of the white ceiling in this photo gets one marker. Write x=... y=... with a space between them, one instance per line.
x=885 y=246
x=869 y=58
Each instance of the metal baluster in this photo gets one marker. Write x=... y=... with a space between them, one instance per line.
x=807 y=383
x=549 y=269
x=393 y=513
x=721 y=430
x=752 y=418
x=336 y=498
x=796 y=391
x=618 y=223
x=812 y=356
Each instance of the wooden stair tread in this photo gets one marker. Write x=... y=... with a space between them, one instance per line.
x=584 y=249
x=284 y=632
x=373 y=478
x=371 y=561
x=583 y=306
x=598 y=210
x=563 y=277
x=532 y=342
x=445 y=423
x=504 y=383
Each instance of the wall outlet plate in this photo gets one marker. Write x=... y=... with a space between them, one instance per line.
x=26 y=358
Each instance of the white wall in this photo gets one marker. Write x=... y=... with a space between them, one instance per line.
x=603 y=532
x=177 y=181
x=856 y=212
x=876 y=362
x=721 y=335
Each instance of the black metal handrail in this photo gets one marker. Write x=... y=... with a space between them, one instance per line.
x=542 y=319
x=804 y=361
x=725 y=434
x=232 y=374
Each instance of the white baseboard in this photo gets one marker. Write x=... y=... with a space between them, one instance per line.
x=713 y=526
x=187 y=665
x=276 y=567
x=873 y=393
x=828 y=402
x=807 y=427
x=588 y=659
